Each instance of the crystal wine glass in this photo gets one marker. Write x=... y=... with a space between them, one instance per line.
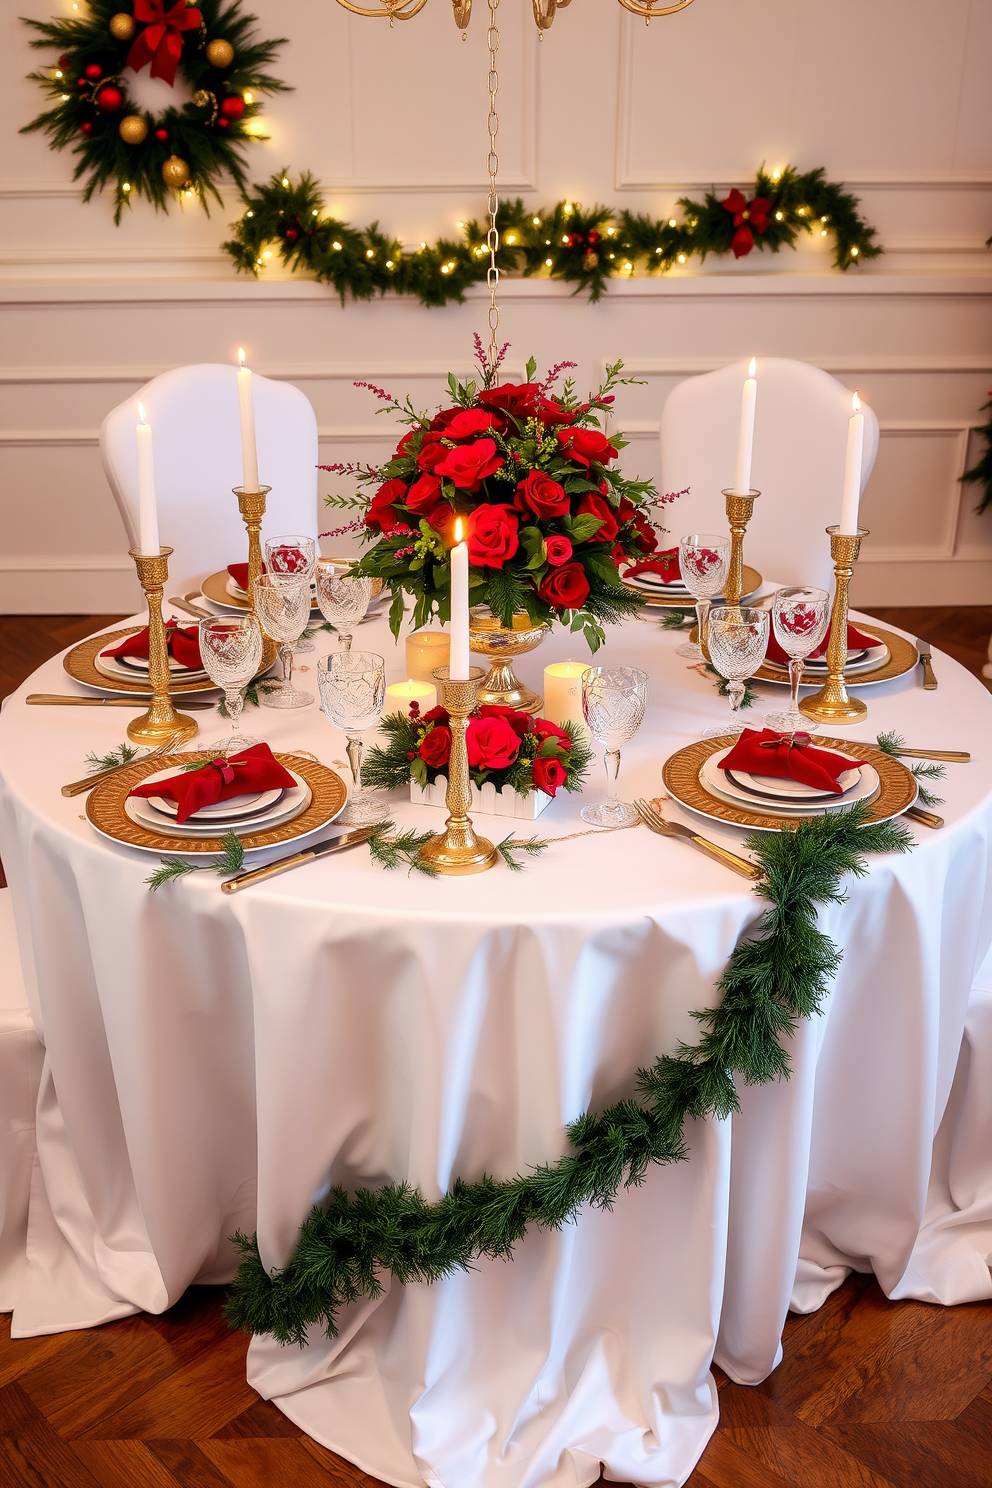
x=290 y=554
x=738 y=640
x=352 y=692
x=800 y=618
x=343 y=597
x=283 y=604
x=704 y=560
x=231 y=649
x=613 y=703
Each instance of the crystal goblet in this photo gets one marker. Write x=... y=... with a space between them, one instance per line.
x=290 y=554
x=343 y=597
x=800 y=617
x=283 y=605
x=704 y=561
x=231 y=649
x=613 y=704
x=352 y=692
x=738 y=640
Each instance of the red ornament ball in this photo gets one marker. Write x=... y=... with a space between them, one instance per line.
x=109 y=99
x=93 y=71
x=86 y=127
x=221 y=123
x=80 y=82
x=161 y=135
x=65 y=61
x=233 y=107
x=291 y=235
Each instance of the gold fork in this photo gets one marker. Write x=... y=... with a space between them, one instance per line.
x=652 y=818
x=79 y=787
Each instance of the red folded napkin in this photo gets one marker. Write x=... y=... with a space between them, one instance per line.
x=239 y=573
x=787 y=758
x=665 y=565
x=183 y=644
x=856 y=639
x=254 y=769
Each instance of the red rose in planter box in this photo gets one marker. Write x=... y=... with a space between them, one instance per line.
x=468 y=465
x=492 y=535
x=491 y=743
x=540 y=495
x=435 y=747
x=558 y=549
x=545 y=729
x=549 y=774
x=596 y=506
x=519 y=722
x=567 y=588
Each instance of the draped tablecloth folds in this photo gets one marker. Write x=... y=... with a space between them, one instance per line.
x=216 y=1063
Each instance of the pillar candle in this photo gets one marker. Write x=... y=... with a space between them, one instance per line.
x=459 y=606
x=563 y=692
x=249 y=453
x=148 y=541
x=425 y=650
x=745 y=437
x=399 y=696
x=851 y=499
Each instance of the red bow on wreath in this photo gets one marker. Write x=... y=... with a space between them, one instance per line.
x=161 y=42
x=747 y=215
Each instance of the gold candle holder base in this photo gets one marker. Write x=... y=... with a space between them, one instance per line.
x=161 y=721
x=251 y=505
x=832 y=703
x=457 y=849
x=739 y=509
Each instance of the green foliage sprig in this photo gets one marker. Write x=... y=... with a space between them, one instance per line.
x=122 y=755
x=750 y=696
x=930 y=770
x=583 y=246
x=981 y=471
x=775 y=977
x=231 y=860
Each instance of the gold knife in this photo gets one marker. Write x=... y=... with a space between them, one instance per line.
x=61 y=700
x=929 y=680
x=925 y=818
x=191 y=609
x=954 y=756
x=333 y=844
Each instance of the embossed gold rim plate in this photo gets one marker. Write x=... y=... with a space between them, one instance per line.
x=216 y=590
x=105 y=808
x=902 y=658
x=80 y=663
x=752 y=582
x=897 y=785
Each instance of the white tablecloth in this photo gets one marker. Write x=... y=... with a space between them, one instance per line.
x=215 y=1063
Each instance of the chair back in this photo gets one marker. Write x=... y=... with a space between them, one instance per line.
x=196 y=436
x=800 y=443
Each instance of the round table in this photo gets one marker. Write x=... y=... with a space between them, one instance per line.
x=216 y=1063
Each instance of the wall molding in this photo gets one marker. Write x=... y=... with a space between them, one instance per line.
x=63 y=563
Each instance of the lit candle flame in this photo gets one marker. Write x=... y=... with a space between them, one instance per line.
x=241 y=356
x=459 y=530
x=751 y=367
x=141 y=412
x=856 y=403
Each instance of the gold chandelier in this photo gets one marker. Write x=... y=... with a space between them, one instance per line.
x=544 y=10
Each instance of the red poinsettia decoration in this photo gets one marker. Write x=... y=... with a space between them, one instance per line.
x=161 y=42
x=747 y=215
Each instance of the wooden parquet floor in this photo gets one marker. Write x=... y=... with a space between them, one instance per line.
x=871 y=1393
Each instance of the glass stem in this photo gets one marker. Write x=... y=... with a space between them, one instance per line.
x=796 y=668
x=702 y=624
x=736 y=691
x=234 y=698
x=345 y=641
x=286 y=656
x=612 y=761
x=355 y=759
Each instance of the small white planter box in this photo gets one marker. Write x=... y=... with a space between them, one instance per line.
x=486 y=800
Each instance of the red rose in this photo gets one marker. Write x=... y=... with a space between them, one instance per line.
x=468 y=422
x=436 y=715
x=647 y=538
x=585 y=445
x=545 y=729
x=557 y=549
x=492 y=535
x=595 y=506
x=435 y=747
x=443 y=419
x=492 y=744
x=382 y=515
x=549 y=774
x=403 y=448
x=540 y=496
x=424 y=494
x=431 y=455
x=519 y=722
x=517 y=399
x=567 y=588
x=440 y=517
x=468 y=465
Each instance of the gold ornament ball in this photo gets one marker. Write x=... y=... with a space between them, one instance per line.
x=175 y=172
x=220 y=53
x=122 y=26
x=133 y=130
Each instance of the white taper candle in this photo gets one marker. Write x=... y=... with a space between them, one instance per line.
x=458 y=670
x=851 y=498
x=148 y=540
x=249 y=453
x=745 y=437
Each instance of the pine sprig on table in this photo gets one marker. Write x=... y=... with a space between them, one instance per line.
x=122 y=755
x=392 y=851
x=231 y=860
x=675 y=619
x=776 y=976
x=253 y=691
x=533 y=846
x=923 y=770
x=723 y=687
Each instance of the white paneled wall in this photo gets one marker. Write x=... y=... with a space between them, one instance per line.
x=889 y=97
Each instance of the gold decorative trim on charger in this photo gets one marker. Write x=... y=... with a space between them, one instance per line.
x=105 y=807
x=902 y=658
x=752 y=582
x=81 y=665
x=897 y=785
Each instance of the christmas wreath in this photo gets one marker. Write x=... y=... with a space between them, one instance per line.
x=187 y=148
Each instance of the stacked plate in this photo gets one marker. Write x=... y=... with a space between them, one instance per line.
x=135 y=668
x=650 y=583
x=771 y=795
x=865 y=659
x=256 y=811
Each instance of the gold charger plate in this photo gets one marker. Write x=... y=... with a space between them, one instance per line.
x=752 y=582
x=105 y=807
x=902 y=658
x=897 y=785
x=81 y=665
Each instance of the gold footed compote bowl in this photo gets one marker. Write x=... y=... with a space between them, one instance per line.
x=487 y=637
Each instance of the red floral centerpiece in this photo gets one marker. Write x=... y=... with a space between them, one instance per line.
x=548 y=516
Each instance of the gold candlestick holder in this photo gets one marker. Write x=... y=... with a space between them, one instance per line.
x=457 y=849
x=161 y=722
x=251 y=505
x=832 y=703
x=739 y=509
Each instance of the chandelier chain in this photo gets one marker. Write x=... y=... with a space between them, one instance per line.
x=492 y=237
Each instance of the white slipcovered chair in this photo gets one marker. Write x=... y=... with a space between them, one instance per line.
x=21 y=1057
x=800 y=441
x=196 y=437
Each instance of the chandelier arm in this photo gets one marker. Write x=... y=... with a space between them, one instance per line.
x=402 y=12
x=647 y=11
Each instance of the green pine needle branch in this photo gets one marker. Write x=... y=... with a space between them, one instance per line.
x=231 y=860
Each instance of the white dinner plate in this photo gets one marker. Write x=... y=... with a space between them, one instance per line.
x=716 y=782
x=291 y=803
x=816 y=671
x=791 y=790
x=249 y=804
x=136 y=668
x=655 y=584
